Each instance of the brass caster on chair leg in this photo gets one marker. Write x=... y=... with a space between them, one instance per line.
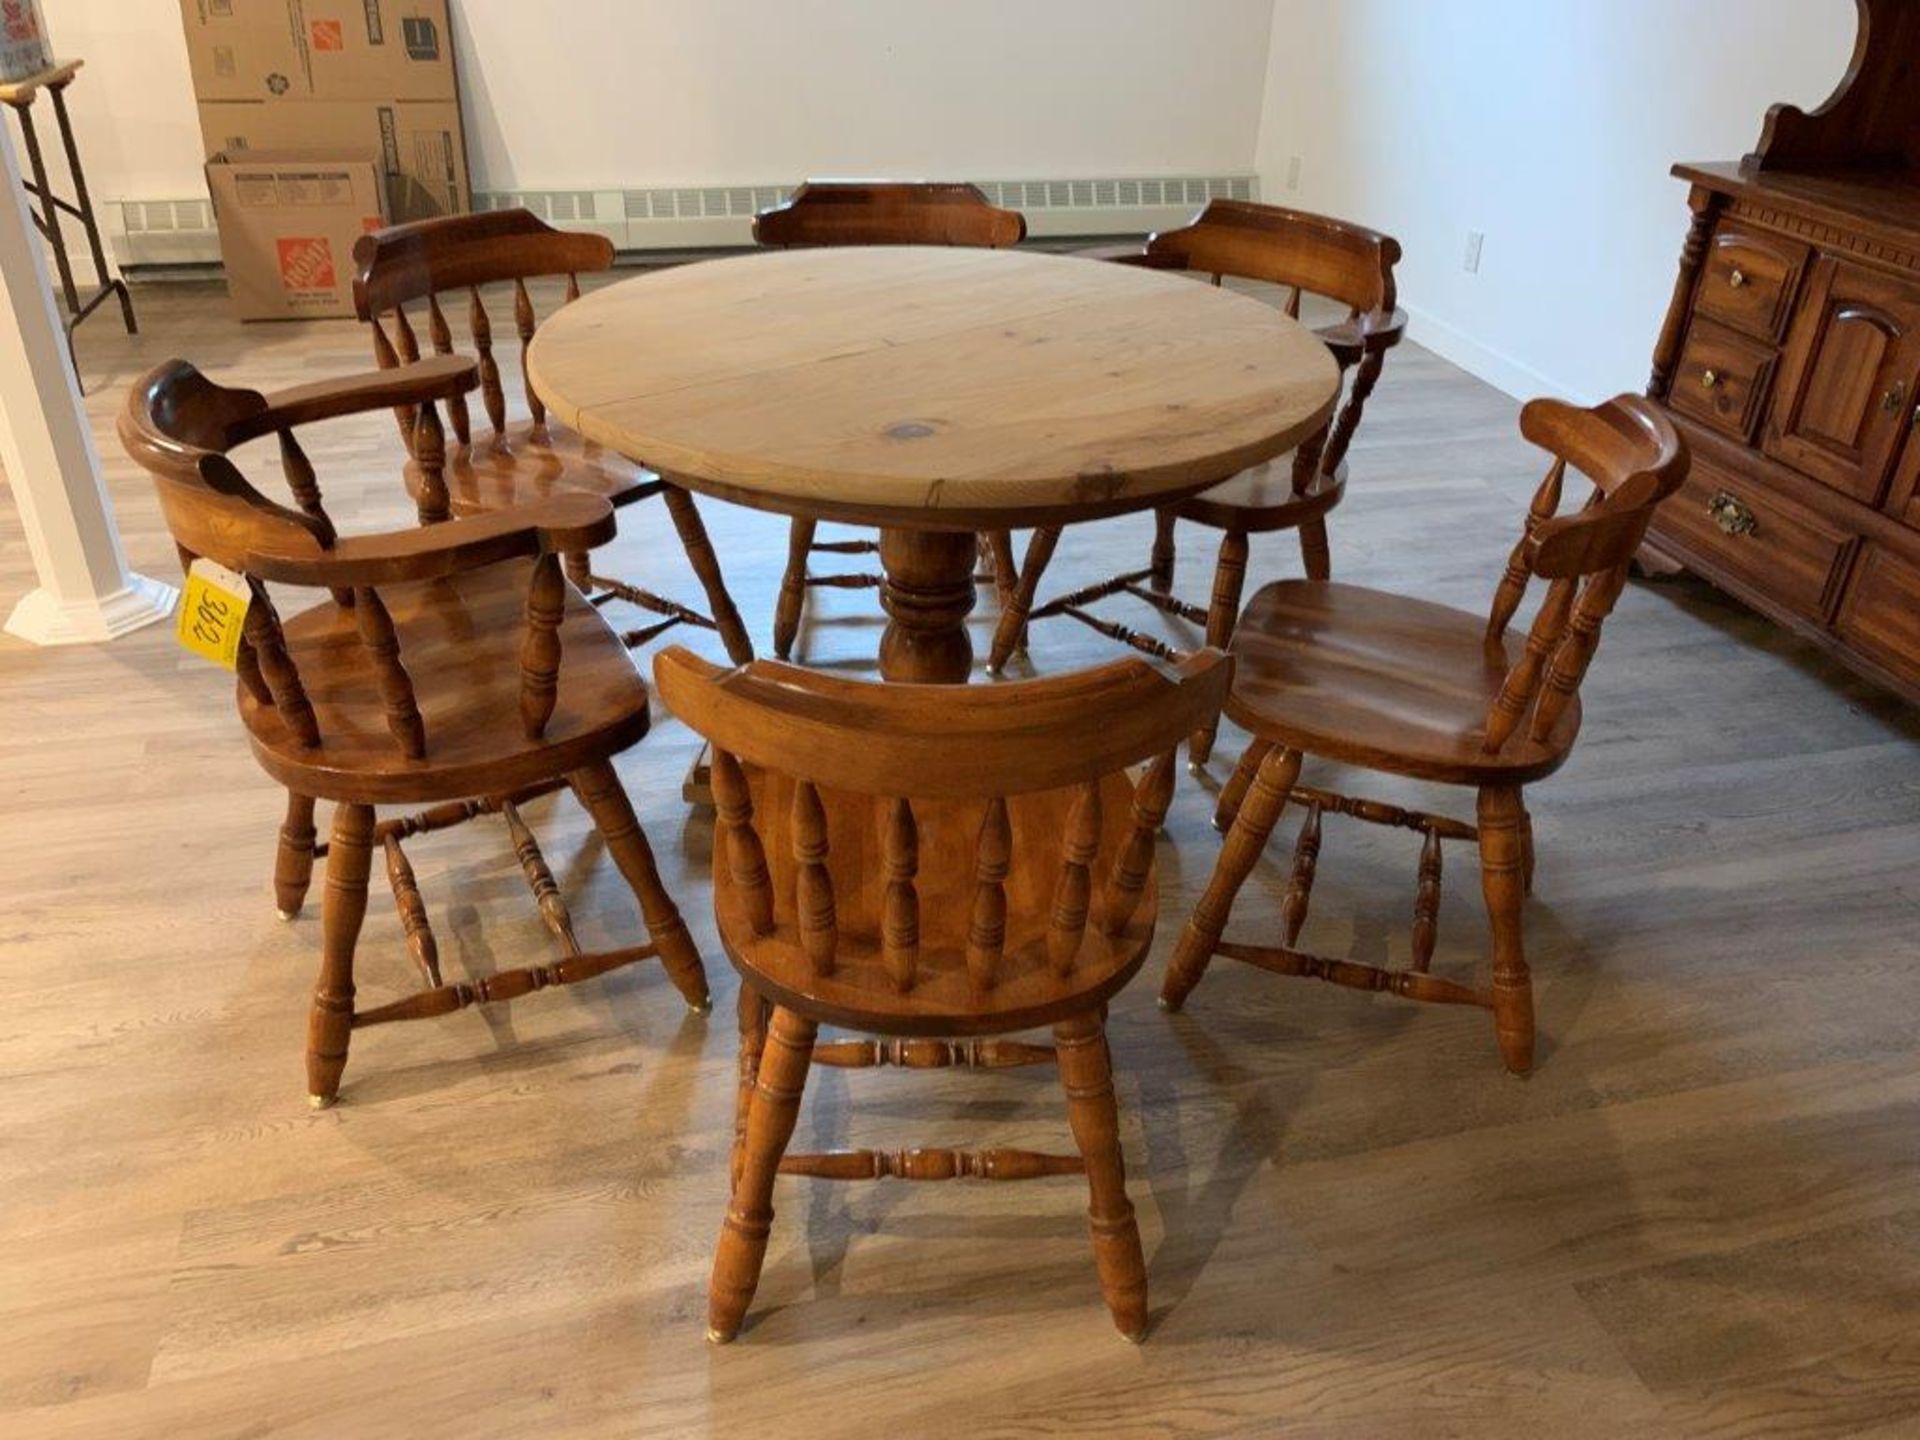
x=321 y=1102
x=718 y=1337
x=701 y=1007
x=1171 y=1007
x=288 y=916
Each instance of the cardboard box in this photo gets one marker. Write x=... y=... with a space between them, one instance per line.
x=288 y=221
x=23 y=40
x=417 y=146
x=291 y=50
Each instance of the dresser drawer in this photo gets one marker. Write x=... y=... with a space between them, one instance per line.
x=1777 y=547
x=1722 y=380
x=1880 y=615
x=1748 y=280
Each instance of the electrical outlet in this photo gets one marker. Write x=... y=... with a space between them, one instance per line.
x=1293 y=173
x=1472 y=263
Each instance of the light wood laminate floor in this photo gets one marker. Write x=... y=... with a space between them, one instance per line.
x=1701 y=1216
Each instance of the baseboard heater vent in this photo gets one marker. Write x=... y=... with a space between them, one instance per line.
x=695 y=217
x=163 y=233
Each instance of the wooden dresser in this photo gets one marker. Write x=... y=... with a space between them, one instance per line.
x=1790 y=359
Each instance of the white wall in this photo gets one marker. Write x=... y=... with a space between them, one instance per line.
x=663 y=92
x=609 y=93
x=1548 y=127
x=132 y=105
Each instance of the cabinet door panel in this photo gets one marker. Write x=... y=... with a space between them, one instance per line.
x=1903 y=501
x=1852 y=359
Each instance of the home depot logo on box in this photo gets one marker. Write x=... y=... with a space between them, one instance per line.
x=326 y=35
x=306 y=262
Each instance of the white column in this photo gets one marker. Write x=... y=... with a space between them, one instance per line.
x=86 y=591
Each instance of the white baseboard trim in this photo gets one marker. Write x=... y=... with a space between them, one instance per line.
x=1497 y=368
x=41 y=619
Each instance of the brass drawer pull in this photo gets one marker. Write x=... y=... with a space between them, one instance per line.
x=1709 y=378
x=1894 y=398
x=1731 y=515
x=1737 y=279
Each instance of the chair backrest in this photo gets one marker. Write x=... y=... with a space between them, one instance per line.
x=1635 y=459
x=1308 y=255
x=889 y=212
x=908 y=745
x=418 y=263
x=1316 y=254
x=179 y=426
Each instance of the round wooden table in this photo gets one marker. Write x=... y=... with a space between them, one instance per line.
x=934 y=393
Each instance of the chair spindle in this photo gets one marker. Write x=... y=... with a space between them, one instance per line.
x=987 y=927
x=1524 y=678
x=813 y=885
x=430 y=454
x=262 y=631
x=746 y=858
x=1513 y=582
x=524 y=322
x=422 y=948
x=1151 y=799
x=1426 y=902
x=1072 y=895
x=1306 y=864
x=900 y=918
x=492 y=394
x=390 y=672
x=540 y=649
x=1575 y=651
x=442 y=337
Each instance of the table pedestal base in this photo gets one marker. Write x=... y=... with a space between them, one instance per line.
x=928 y=594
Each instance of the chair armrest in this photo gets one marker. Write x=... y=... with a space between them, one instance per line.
x=438 y=377
x=560 y=524
x=1133 y=253
x=1374 y=331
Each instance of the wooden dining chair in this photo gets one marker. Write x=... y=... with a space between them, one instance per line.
x=936 y=865
x=450 y=666
x=518 y=456
x=1307 y=254
x=1405 y=686
x=877 y=212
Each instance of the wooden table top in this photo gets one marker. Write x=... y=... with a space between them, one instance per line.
x=925 y=388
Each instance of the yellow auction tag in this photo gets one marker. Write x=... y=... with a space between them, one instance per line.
x=211 y=611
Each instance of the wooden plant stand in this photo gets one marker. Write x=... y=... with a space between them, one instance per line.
x=21 y=94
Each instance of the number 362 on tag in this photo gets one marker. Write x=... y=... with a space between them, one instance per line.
x=212 y=611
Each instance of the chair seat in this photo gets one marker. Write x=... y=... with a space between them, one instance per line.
x=860 y=994
x=529 y=463
x=1262 y=499
x=460 y=644
x=1385 y=681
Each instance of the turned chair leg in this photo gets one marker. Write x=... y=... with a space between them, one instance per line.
x=579 y=570
x=1160 y=562
x=1009 y=634
x=293 y=862
x=1314 y=552
x=753 y=1043
x=793 y=587
x=706 y=568
x=1266 y=797
x=1006 y=570
x=330 y=1022
x=1086 y=1073
x=1235 y=790
x=601 y=795
x=770 y=1119
x=1223 y=613
x=1502 y=869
